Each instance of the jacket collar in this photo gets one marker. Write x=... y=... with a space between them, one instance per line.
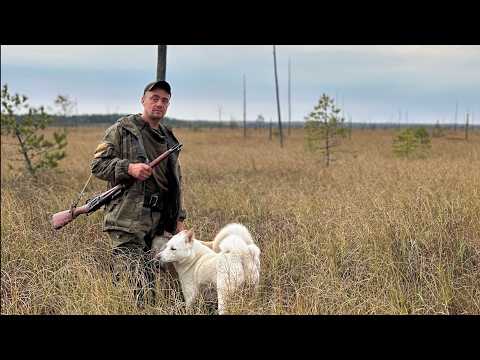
x=129 y=123
x=133 y=123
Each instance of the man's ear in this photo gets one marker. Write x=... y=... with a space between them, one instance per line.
x=190 y=236
x=142 y=100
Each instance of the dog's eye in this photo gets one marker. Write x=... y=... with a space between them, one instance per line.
x=173 y=249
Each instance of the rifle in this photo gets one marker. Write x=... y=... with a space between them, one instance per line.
x=62 y=218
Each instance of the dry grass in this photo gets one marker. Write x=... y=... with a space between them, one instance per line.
x=372 y=234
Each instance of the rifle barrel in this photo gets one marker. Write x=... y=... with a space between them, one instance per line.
x=162 y=156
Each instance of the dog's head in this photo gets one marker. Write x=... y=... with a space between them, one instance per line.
x=178 y=248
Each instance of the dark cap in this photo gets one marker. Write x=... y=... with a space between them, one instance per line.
x=161 y=84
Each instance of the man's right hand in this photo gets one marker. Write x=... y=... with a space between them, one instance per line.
x=140 y=171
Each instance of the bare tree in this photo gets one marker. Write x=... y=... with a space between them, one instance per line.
x=350 y=126
x=260 y=122
x=289 y=99
x=67 y=106
x=162 y=62
x=244 y=106
x=456 y=114
x=466 y=128
x=278 y=98
x=270 y=129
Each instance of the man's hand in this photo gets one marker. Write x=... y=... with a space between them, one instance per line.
x=180 y=226
x=140 y=171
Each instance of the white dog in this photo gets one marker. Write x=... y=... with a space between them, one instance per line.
x=230 y=261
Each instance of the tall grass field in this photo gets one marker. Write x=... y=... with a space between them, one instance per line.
x=370 y=234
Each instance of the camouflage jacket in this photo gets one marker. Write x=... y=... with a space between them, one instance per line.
x=122 y=145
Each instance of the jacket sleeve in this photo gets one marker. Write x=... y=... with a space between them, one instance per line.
x=182 y=214
x=106 y=163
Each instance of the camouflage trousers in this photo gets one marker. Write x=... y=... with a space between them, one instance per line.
x=133 y=260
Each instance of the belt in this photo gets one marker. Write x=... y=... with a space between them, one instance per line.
x=154 y=201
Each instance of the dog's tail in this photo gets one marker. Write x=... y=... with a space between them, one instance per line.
x=236 y=239
x=229 y=230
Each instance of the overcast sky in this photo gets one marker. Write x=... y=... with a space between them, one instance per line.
x=374 y=83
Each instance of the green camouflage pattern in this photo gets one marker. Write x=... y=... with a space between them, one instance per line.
x=123 y=144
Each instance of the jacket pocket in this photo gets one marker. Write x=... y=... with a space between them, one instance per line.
x=124 y=212
x=112 y=204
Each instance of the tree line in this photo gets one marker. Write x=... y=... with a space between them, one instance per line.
x=104 y=119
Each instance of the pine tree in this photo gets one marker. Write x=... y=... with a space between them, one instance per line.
x=323 y=126
x=38 y=153
x=405 y=143
x=412 y=143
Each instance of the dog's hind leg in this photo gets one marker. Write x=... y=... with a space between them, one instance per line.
x=222 y=287
x=230 y=276
x=224 y=293
x=221 y=302
x=190 y=294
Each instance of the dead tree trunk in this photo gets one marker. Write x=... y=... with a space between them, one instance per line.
x=327 y=144
x=270 y=130
x=162 y=62
x=278 y=98
x=455 y=121
x=466 y=128
x=244 y=106
x=289 y=99
x=350 y=126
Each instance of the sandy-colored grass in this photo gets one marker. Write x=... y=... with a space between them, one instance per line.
x=372 y=234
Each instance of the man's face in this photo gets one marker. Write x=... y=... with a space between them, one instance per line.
x=155 y=103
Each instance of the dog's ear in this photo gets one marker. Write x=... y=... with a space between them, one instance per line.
x=190 y=236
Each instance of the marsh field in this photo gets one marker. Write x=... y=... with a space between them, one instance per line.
x=370 y=234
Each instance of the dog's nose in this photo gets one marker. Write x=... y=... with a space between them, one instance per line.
x=162 y=264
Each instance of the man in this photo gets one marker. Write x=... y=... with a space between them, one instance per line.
x=142 y=219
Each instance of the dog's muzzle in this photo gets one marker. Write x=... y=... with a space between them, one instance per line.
x=156 y=259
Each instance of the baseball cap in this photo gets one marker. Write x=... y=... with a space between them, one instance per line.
x=161 y=84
